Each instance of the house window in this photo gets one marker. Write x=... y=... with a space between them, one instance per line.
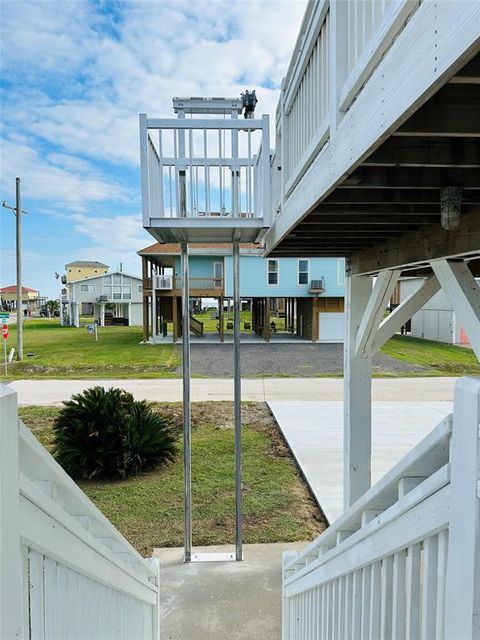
x=140 y=288
x=272 y=272
x=217 y=274
x=303 y=272
x=87 y=287
x=341 y=271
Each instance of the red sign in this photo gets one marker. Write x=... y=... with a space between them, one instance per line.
x=5 y=331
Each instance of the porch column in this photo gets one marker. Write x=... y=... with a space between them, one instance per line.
x=266 y=326
x=221 y=323
x=175 y=318
x=357 y=436
x=102 y=314
x=129 y=312
x=154 y=305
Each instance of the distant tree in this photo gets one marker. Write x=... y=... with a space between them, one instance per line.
x=52 y=305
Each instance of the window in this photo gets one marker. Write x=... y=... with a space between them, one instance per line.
x=272 y=272
x=341 y=271
x=303 y=272
x=87 y=287
x=217 y=274
x=140 y=288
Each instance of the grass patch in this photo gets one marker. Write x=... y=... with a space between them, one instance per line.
x=148 y=509
x=70 y=352
x=444 y=359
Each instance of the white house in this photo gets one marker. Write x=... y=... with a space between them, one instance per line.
x=436 y=320
x=115 y=298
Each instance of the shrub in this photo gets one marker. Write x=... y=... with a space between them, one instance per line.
x=106 y=433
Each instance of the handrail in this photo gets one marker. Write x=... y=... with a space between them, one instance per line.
x=82 y=577
x=403 y=560
x=430 y=455
x=196 y=326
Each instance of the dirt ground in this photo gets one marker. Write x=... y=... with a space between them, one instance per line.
x=300 y=360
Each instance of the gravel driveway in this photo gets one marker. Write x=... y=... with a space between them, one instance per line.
x=300 y=360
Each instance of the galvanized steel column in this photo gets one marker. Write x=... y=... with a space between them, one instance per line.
x=187 y=456
x=237 y=402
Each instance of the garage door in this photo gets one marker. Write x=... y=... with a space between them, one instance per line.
x=331 y=327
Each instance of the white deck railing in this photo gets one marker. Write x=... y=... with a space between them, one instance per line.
x=66 y=572
x=348 y=54
x=204 y=168
x=404 y=560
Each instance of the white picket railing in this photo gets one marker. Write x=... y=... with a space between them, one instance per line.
x=205 y=168
x=66 y=572
x=404 y=560
x=306 y=104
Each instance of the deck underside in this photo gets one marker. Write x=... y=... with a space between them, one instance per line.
x=395 y=192
x=207 y=229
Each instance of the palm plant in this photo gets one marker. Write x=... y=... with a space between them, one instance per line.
x=106 y=433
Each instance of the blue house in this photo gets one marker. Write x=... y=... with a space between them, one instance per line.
x=306 y=292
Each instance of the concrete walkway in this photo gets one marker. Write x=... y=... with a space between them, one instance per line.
x=314 y=432
x=223 y=600
x=53 y=392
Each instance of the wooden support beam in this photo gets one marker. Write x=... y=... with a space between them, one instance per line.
x=351 y=195
x=452 y=111
x=374 y=311
x=404 y=312
x=462 y=290
x=175 y=317
x=420 y=247
x=221 y=324
x=357 y=395
x=426 y=152
x=417 y=177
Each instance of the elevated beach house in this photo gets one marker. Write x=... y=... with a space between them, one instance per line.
x=306 y=292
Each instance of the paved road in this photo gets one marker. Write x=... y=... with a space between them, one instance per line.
x=51 y=392
x=300 y=359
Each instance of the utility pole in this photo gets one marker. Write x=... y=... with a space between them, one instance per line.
x=17 y=209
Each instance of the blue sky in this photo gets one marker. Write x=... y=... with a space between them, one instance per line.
x=74 y=76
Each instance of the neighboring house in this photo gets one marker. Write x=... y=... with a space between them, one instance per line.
x=307 y=292
x=436 y=320
x=31 y=299
x=81 y=269
x=114 y=298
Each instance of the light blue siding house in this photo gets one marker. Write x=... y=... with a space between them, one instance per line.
x=307 y=292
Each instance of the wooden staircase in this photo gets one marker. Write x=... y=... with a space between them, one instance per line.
x=196 y=326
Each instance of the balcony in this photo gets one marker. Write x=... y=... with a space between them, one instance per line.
x=205 y=179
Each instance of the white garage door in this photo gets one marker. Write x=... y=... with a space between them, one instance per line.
x=332 y=327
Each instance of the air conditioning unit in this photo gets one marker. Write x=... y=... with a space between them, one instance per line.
x=317 y=286
x=103 y=299
x=164 y=283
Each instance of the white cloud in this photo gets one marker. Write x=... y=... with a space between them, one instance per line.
x=62 y=180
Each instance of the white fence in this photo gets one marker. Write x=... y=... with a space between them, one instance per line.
x=65 y=571
x=404 y=560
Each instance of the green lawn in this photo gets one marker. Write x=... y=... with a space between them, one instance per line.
x=70 y=352
x=148 y=509
x=210 y=324
x=443 y=359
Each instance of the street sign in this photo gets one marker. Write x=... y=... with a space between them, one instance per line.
x=4 y=315
x=5 y=336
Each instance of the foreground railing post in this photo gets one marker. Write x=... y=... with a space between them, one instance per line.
x=287 y=556
x=462 y=598
x=187 y=455
x=10 y=559
x=237 y=402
